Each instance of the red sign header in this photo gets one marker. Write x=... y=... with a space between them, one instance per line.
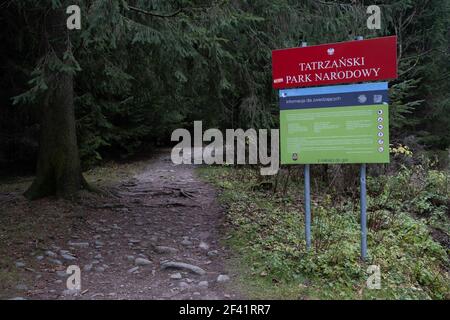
x=343 y=62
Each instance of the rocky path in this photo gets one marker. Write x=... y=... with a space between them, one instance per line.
x=159 y=239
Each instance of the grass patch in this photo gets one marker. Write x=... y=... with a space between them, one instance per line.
x=267 y=234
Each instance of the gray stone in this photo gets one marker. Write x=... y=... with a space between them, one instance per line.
x=165 y=250
x=183 y=285
x=40 y=258
x=204 y=246
x=99 y=243
x=21 y=287
x=176 y=276
x=186 y=242
x=133 y=270
x=213 y=253
x=130 y=258
x=88 y=267
x=223 y=278
x=203 y=284
x=99 y=269
x=72 y=292
x=61 y=274
x=182 y=266
x=79 y=244
x=55 y=261
x=50 y=254
x=142 y=262
x=18 y=298
x=68 y=257
x=20 y=264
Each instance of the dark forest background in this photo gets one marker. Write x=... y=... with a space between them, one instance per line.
x=139 y=76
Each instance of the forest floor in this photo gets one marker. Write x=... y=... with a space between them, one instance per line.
x=156 y=214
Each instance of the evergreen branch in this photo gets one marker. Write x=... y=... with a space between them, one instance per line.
x=153 y=14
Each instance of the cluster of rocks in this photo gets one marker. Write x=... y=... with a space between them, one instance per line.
x=138 y=261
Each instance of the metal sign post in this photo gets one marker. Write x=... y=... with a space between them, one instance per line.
x=363 y=204
x=307 y=199
x=362 y=180
x=307 y=208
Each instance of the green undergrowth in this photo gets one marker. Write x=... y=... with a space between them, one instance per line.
x=267 y=234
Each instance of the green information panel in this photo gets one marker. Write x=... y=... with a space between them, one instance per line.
x=313 y=132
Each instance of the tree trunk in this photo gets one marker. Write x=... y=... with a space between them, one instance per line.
x=58 y=166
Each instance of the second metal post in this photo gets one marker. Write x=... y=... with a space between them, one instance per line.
x=307 y=208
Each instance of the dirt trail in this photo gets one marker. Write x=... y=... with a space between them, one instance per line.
x=164 y=213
